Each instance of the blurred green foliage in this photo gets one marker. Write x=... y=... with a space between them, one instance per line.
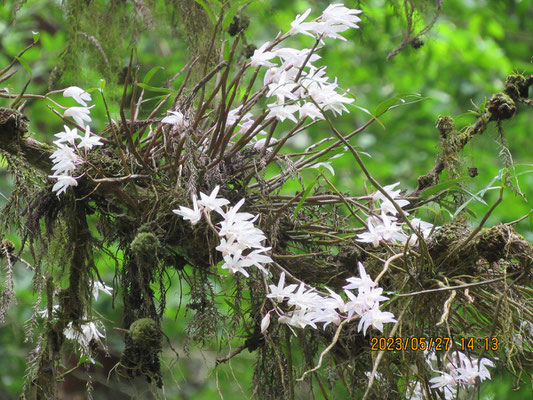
x=464 y=59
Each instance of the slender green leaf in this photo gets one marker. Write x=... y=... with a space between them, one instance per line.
x=232 y=306
x=208 y=11
x=440 y=187
x=478 y=195
x=525 y=172
x=156 y=89
x=25 y=65
x=397 y=101
x=321 y=166
x=473 y=196
x=85 y=360
x=304 y=196
x=228 y=17
x=369 y=113
x=336 y=152
x=363 y=110
x=385 y=105
x=155 y=98
x=483 y=105
x=150 y=74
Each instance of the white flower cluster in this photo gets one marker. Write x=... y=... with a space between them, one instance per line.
x=97 y=288
x=244 y=122
x=463 y=372
x=175 y=118
x=336 y=18
x=291 y=83
x=67 y=156
x=307 y=307
x=84 y=335
x=101 y=287
x=44 y=313
x=313 y=86
x=240 y=241
x=385 y=226
x=86 y=332
x=299 y=87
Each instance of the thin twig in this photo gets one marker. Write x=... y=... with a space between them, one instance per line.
x=442 y=289
x=326 y=350
x=387 y=263
x=382 y=352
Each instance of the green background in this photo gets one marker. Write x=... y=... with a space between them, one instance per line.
x=465 y=57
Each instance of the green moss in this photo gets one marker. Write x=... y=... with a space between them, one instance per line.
x=144 y=332
x=145 y=244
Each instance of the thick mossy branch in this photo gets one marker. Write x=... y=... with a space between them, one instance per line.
x=500 y=107
x=492 y=244
x=37 y=155
x=13 y=140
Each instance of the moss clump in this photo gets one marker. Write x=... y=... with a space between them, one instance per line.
x=445 y=125
x=500 y=242
x=492 y=243
x=141 y=355
x=501 y=107
x=248 y=50
x=7 y=247
x=516 y=86
x=145 y=244
x=445 y=239
x=145 y=332
x=239 y=24
x=12 y=124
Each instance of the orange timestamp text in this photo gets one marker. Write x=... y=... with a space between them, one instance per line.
x=410 y=343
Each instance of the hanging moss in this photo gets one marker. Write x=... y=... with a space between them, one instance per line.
x=101 y=35
x=97 y=32
x=141 y=357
